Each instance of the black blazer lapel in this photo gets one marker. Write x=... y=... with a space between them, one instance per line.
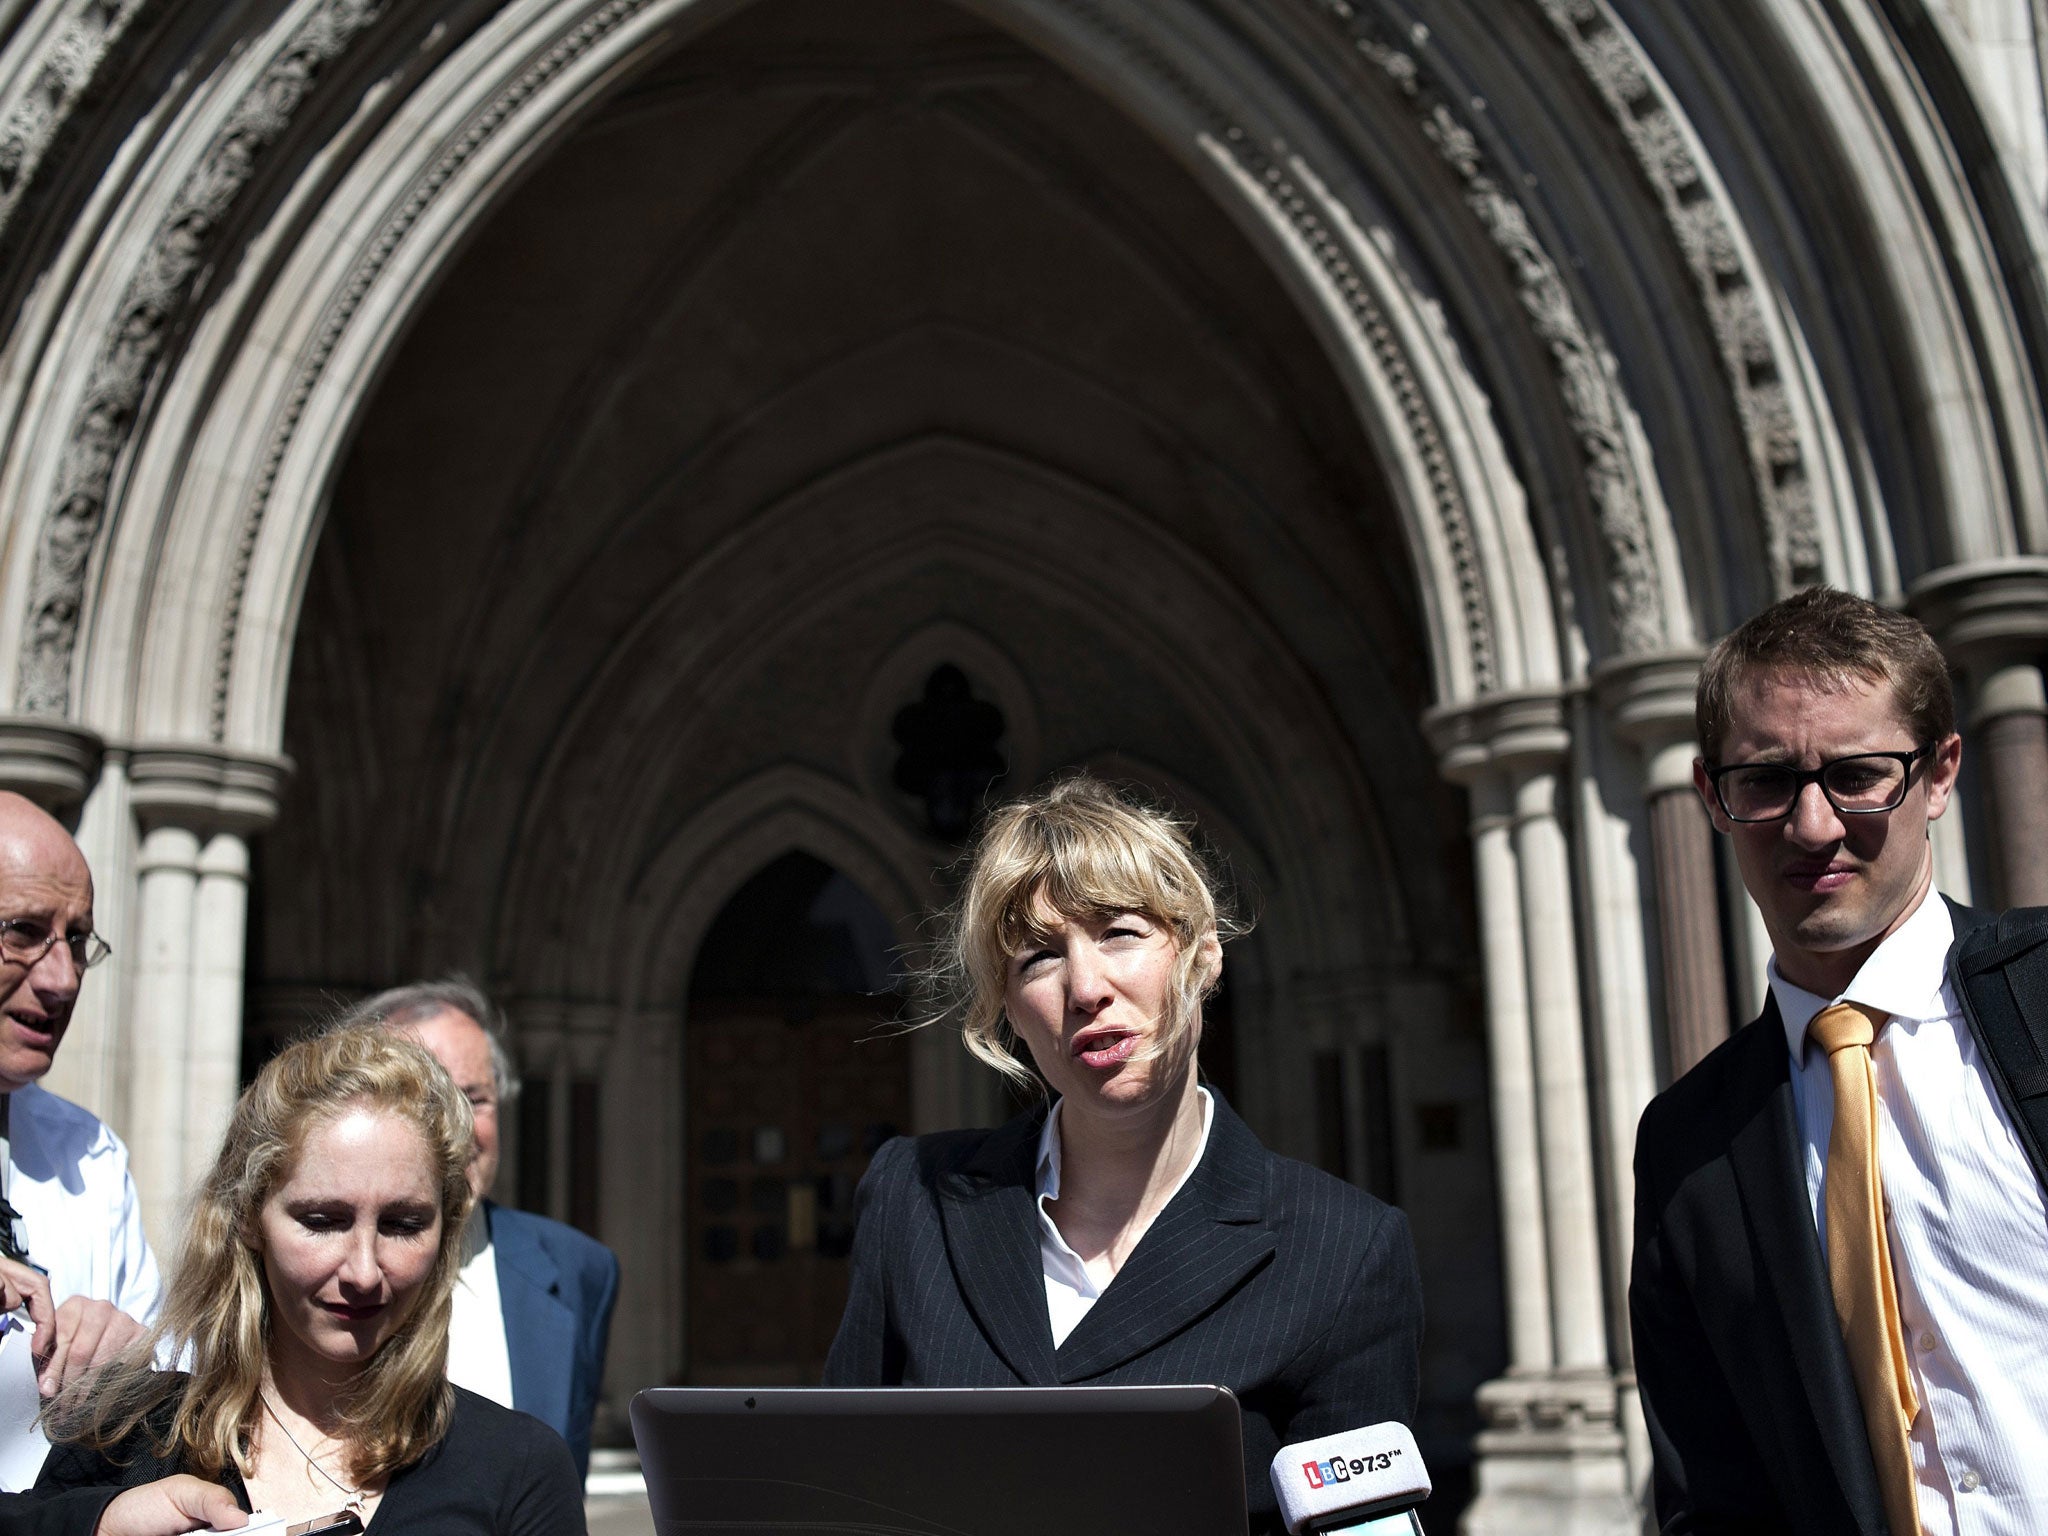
x=1208 y=1239
x=1768 y=1163
x=989 y=1210
x=1966 y=919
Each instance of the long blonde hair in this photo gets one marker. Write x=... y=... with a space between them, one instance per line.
x=1080 y=848
x=217 y=1314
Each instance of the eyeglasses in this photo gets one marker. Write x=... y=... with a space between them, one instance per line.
x=1863 y=785
x=24 y=941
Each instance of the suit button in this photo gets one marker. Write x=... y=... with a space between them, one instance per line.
x=1927 y=1343
x=1970 y=1482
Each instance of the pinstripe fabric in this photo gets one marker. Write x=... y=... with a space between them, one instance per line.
x=1294 y=1289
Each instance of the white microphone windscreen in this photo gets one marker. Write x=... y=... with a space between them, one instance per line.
x=1359 y=1472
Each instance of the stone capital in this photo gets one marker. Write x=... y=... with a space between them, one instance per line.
x=53 y=763
x=1649 y=702
x=204 y=788
x=1986 y=613
x=1501 y=734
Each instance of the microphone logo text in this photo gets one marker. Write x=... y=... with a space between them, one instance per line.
x=1340 y=1469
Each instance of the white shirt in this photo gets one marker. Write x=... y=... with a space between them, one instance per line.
x=478 y=1356
x=1967 y=1228
x=1071 y=1286
x=68 y=1177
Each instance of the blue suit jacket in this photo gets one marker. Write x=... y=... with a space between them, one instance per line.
x=557 y=1288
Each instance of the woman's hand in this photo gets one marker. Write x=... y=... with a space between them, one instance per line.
x=171 y=1506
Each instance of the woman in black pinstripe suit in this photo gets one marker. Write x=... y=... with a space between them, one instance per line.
x=1133 y=1229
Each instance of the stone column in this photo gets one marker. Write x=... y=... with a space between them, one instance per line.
x=1563 y=1105
x=195 y=808
x=1524 y=1244
x=160 y=1020
x=1552 y=1456
x=220 y=928
x=1650 y=702
x=2009 y=715
x=1991 y=618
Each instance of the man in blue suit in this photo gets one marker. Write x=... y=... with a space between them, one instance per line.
x=533 y=1307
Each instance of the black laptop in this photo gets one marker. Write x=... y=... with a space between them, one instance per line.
x=919 y=1461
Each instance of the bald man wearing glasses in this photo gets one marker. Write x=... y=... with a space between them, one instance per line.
x=73 y=1259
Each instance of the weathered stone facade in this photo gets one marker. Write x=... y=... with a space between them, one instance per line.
x=482 y=477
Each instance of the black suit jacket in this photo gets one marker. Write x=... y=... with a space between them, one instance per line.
x=1745 y=1381
x=65 y=1514
x=1294 y=1289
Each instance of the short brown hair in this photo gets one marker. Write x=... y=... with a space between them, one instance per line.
x=1081 y=848
x=1828 y=638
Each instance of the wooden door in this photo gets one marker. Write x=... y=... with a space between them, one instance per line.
x=787 y=1102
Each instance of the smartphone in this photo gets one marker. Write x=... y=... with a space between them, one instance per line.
x=343 y=1522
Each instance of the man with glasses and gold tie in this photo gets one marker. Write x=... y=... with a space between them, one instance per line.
x=1840 y=1288
x=73 y=1260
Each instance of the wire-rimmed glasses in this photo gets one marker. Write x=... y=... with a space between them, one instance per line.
x=25 y=940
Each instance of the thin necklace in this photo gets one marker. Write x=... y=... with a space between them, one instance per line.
x=354 y=1496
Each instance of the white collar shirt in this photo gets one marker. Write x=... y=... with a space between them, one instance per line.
x=1967 y=1228
x=1072 y=1283
x=68 y=1176
x=479 y=1355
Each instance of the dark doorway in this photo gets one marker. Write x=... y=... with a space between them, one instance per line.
x=794 y=1077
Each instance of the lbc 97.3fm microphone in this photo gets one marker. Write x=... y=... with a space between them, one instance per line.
x=1363 y=1482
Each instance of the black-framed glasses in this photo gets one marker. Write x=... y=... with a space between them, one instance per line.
x=24 y=941
x=1862 y=785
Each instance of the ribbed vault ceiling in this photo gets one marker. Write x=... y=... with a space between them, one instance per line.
x=850 y=318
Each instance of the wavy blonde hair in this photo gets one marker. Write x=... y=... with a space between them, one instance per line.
x=1081 y=848
x=217 y=1313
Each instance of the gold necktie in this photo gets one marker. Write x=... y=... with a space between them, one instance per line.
x=1860 y=1261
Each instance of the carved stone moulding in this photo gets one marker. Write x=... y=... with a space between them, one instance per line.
x=461 y=148
x=1552 y=1457
x=1266 y=166
x=1649 y=702
x=54 y=84
x=1586 y=374
x=1703 y=227
x=1503 y=734
x=204 y=788
x=1425 y=436
x=152 y=311
x=52 y=762
x=1563 y=1404
x=1985 y=607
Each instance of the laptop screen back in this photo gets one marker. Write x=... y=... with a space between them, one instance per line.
x=910 y=1461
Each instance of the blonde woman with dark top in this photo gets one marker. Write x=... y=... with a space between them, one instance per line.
x=1131 y=1230
x=310 y=1309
